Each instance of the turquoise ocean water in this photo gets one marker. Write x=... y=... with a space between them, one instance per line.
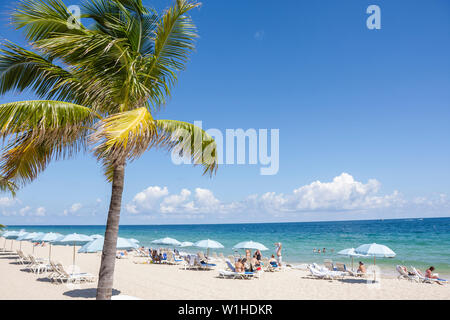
x=417 y=242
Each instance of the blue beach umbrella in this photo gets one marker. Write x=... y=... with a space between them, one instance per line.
x=9 y=235
x=75 y=239
x=186 y=244
x=375 y=250
x=250 y=245
x=21 y=238
x=350 y=252
x=208 y=244
x=49 y=237
x=35 y=237
x=167 y=241
x=12 y=235
x=97 y=245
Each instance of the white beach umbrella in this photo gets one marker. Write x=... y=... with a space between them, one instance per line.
x=250 y=245
x=186 y=244
x=9 y=235
x=96 y=236
x=375 y=250
x=74 y=238
x=133 y=240
x=167 y=241
x=21 y=238
x=31 y=236
x=97 y=245
x=208 y=244
x=48 y=237
x=12 y=235
x=350 y=252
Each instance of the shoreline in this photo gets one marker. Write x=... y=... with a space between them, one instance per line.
x=153 y=281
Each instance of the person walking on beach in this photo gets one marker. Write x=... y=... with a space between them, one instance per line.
x=278 y=251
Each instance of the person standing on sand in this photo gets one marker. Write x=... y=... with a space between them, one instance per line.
x=278 y=250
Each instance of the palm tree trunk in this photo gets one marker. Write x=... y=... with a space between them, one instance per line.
x=106 y=273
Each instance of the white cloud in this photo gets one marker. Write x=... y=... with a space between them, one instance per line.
x=343 y=193
x=40 y=212
x=73 y=208
x=24 y=210
x=7 y=202
x=147 y=199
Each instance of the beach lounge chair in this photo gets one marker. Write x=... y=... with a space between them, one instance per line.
x=426 y=279
x=72 y=277
x=329 y=265
x=37 y=265
x=23 y=259
x=404 y=275
x=140 y=252
x=340 y=267
x=237 y=275
x=324 y=273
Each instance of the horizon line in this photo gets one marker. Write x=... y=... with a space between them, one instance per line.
x=190 y=224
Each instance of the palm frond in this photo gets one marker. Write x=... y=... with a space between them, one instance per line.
x=21 y=69
x=40 y=19
x=173 y=42
x=190 y=141
x=123 y=136
x=44 y=117
x=7 y=186
x=38 y=132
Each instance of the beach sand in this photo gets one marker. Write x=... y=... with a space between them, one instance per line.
x=148 y=281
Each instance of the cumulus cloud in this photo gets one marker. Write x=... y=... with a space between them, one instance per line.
x=73 y=208
x=7 y=202
x=157 y=199
x=343 y=193
x=147 y=199
x=40 y=212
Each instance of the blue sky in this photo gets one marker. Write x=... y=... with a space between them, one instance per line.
x=352 y=104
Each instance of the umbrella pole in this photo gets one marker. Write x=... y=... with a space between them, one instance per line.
x=12 y=241
x=352 y=263
x=49 y=252
x=73 y=267
x=20 y=246
x=374 y=273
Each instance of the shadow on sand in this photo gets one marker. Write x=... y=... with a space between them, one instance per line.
x=86 y=293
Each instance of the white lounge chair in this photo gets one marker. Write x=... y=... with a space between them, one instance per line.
x=63 y=275
x=426 y=279
x=404 y=275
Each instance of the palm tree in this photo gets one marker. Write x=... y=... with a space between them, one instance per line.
x=7 y=186
x=100 y=87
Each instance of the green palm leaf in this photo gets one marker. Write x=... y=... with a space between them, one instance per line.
x=190 y=140
x=39 y=131
x=7 y=186
x=123 y=136
x=40 y=19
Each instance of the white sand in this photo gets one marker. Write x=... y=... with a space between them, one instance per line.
x=148 y=281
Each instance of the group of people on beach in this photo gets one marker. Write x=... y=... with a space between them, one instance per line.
x=254 y=263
